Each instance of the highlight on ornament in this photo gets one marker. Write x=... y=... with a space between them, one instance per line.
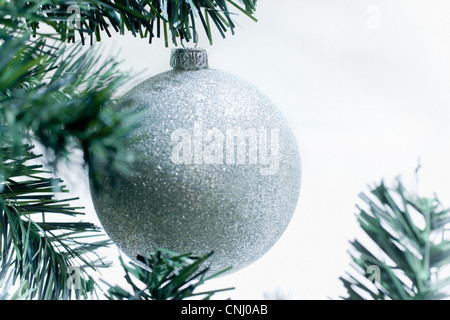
x=236 y=146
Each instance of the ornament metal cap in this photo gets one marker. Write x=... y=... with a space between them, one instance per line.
x=188 y=59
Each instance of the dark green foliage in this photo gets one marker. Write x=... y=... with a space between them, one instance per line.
x=408 y=246
x=42 y=253
x=143 y=18
x=165 y=275
x=59 y=96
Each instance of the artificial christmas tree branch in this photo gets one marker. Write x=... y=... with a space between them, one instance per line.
x=143 y=18
x=407 y=248
x=57 y=96
x=165 y=275
x=48 y=259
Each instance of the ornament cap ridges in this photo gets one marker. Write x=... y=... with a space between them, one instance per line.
x=188 y=59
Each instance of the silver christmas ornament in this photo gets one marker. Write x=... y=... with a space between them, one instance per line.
x=217 y=168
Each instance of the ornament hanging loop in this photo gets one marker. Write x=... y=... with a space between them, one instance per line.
x=195 y=42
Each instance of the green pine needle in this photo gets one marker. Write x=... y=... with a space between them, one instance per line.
x=93 y=17
x=42 y=260
x=165 y=275
x=59 y=95
x=407 y=248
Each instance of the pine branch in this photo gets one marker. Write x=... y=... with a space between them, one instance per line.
x=59 y=96
x=165 y=275
x=143 y=18
x=408 y=251
x=46 y=259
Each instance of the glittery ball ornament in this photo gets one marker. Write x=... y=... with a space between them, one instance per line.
x=217 y=168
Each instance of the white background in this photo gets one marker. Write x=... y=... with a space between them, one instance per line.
x=365 y=86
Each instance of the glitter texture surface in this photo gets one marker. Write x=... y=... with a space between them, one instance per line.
x=193 y=189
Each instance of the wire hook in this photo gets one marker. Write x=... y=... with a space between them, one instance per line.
x=195 y=42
